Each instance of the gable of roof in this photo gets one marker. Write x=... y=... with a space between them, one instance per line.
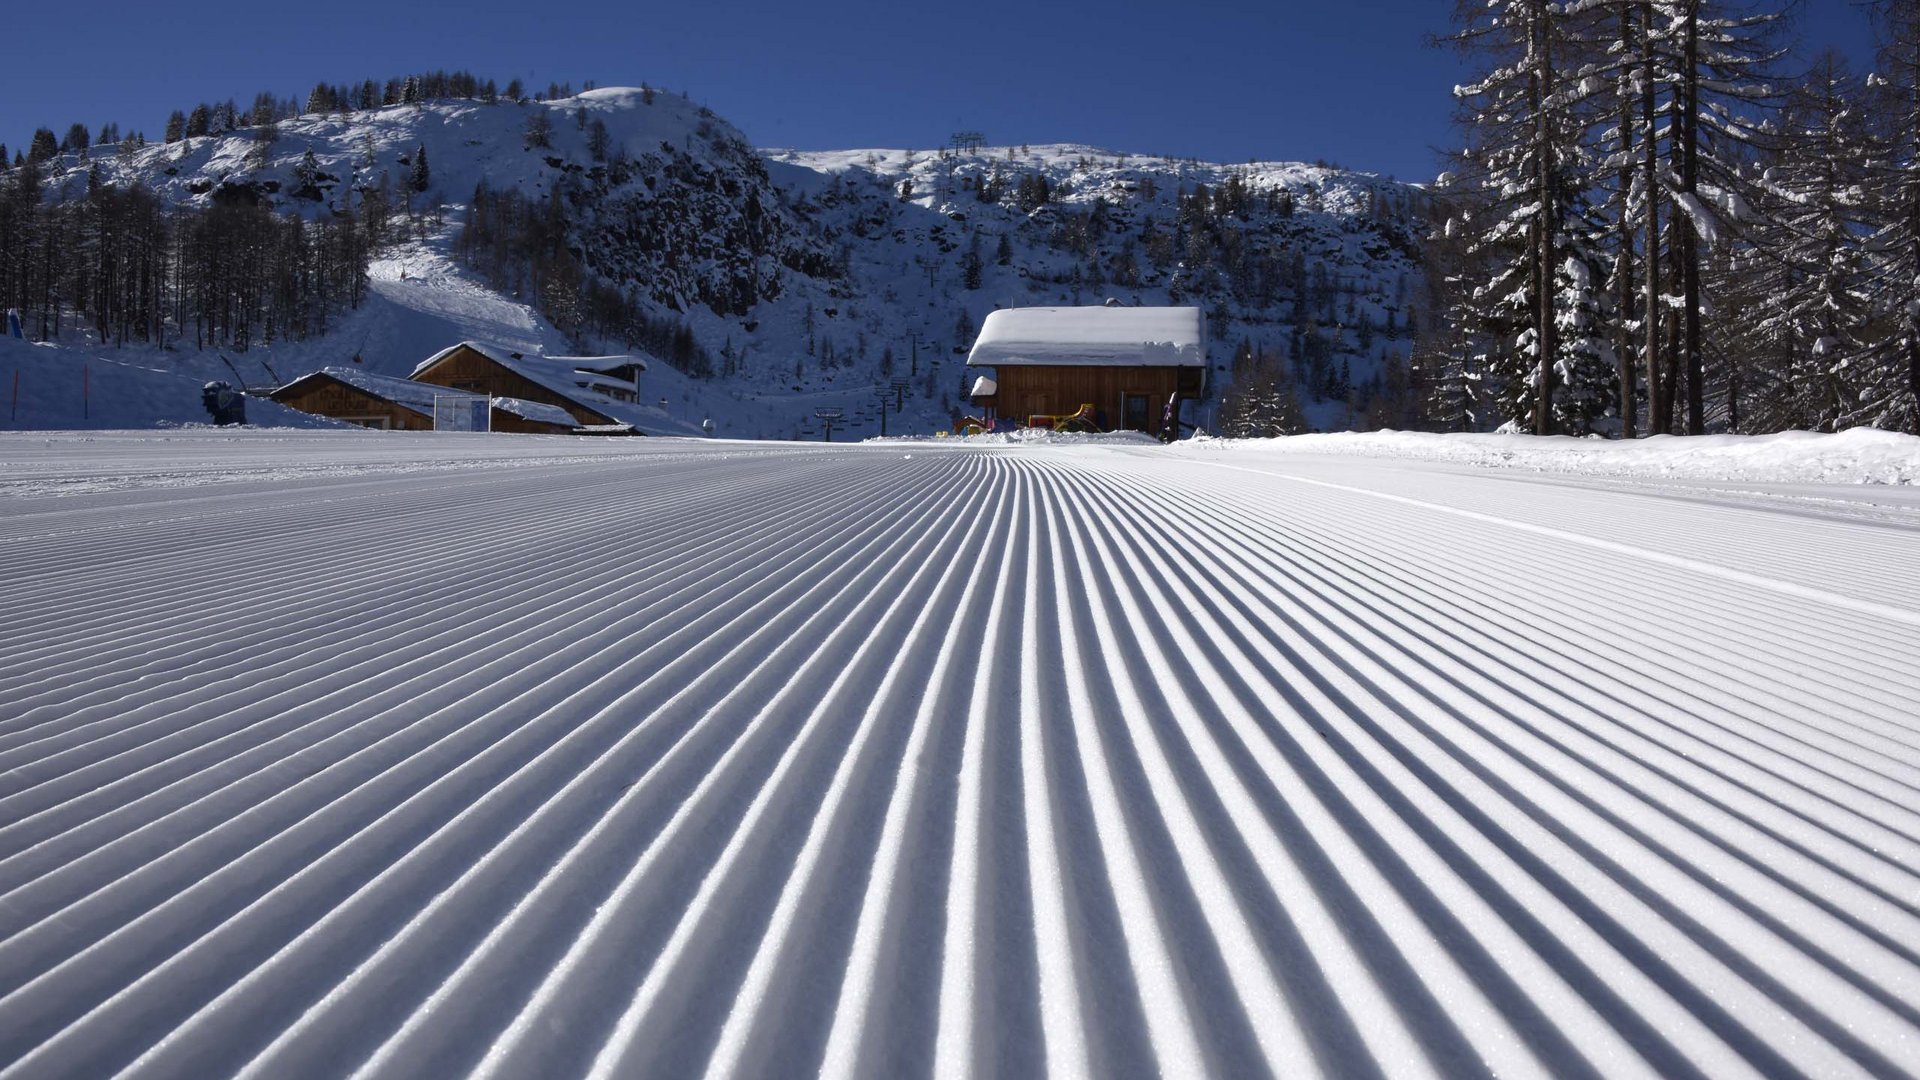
x=1091 y=336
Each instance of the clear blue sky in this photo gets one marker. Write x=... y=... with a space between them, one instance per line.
x=1351 y=82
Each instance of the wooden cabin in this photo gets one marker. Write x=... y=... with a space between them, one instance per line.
x=360 y=397
x=1124 y=362
x=390 y=404
x=580 y=385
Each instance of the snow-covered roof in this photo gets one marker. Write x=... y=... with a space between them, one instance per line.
x=553 y=373
x=537 y=411
x=413 y=395
x=594 y=381
x=1102 y=336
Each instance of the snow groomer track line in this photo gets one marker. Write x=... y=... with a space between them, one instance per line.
x=387 y=756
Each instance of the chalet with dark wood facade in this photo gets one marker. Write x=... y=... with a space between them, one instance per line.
x=1124 y=362
x=590 y=388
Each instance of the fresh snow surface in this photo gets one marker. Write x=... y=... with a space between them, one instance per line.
x=1857 y=456
x=1100 y=336
x=396 y=754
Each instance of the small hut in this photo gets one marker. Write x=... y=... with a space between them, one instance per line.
x=1126 y=364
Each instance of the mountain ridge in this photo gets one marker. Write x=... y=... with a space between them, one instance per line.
x=803 y=276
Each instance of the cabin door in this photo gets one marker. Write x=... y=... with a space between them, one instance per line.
x=1134 y=410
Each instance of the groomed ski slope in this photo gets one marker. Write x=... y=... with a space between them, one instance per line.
x=337 y=753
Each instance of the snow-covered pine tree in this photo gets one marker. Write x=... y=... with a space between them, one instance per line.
x=306 y=177
x=1716 y=58
x=1891 y=381
x=1809 y=326
x=1527 y=163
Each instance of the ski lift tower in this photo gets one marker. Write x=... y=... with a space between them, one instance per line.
x=827 y=418
x=899 y=393
x=967 y=142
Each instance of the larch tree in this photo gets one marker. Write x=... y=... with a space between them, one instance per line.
x=1526 y=160
x=1806 y=268
x=1892 y=398
x=1715 y=57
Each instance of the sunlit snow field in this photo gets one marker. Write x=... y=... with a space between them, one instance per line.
x=420 y=755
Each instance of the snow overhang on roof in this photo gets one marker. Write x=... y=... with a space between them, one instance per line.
x=599 y=363
x=404 y=392
x=1092 y=336
x=536 y=411
x=984 y=387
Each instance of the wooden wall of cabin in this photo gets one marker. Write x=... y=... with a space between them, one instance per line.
x=1031 y=390
x=325 y=397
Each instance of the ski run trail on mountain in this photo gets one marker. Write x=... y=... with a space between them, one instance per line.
x=336 y=754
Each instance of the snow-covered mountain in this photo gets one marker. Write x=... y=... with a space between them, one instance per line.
x=801 y=279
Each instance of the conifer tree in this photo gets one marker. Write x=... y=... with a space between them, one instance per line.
x=306 y=177
x=420 y=178
x=44 y=146
x=1525 y=156
x=1891 y=390
x=1808 y=268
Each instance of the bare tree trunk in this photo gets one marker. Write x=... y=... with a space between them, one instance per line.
x=1689 y=238
x=1623 y=267
x=1543 y=338
x=1657 y=415
x=1912 y=193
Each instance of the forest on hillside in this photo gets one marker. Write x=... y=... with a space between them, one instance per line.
x=1657 y=223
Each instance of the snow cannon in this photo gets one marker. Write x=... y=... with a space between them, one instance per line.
x=226 y=405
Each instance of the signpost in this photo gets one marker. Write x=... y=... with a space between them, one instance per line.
x=828 y=417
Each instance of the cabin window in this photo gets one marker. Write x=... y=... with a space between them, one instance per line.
x=1133 y=412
